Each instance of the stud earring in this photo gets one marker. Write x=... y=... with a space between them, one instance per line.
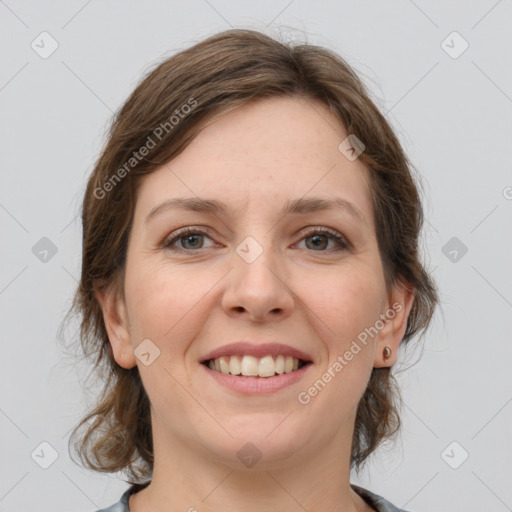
x=387 y=352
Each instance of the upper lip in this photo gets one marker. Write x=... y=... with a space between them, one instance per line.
x=259 y=350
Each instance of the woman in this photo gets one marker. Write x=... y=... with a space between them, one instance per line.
x=250 y=270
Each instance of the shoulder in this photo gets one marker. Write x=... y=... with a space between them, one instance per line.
x=377 y=502
x=122 y=504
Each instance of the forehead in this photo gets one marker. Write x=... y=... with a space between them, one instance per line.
x=261 y=155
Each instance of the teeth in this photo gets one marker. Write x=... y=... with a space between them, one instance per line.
x=235 y=364
x=280 y=364
x=224 y=364
x=251 y=366
x=266 y=367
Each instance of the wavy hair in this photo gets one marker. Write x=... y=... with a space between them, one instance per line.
x=215 y=76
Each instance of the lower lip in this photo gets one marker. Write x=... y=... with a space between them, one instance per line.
x=257 y=385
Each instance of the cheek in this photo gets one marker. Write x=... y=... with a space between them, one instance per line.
x=352 y=306
x=159 y=299
x=349 y=301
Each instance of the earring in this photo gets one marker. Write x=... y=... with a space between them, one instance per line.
x=387 y=352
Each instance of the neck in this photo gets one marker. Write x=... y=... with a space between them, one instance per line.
x=185 y=478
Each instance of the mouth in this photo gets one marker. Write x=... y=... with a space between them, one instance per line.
x=252 y=366
x=253 y=376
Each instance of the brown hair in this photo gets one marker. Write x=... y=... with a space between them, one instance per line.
x=214 y=77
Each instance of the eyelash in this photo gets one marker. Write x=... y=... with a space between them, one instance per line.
x=342 y=243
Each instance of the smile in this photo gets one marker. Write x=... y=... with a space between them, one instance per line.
x=256 y=384
x=251 y=366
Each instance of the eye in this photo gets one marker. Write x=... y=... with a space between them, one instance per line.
x=189 y=236
x=191 y=239
x=317 y=234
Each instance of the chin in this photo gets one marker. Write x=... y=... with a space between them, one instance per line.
x=265 y=442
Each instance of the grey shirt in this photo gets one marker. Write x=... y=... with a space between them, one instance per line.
x=375 y=501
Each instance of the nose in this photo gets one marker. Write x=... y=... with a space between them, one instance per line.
x=258 y=290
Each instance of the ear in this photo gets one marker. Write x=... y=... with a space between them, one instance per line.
x=116 y=323
x=394 y=317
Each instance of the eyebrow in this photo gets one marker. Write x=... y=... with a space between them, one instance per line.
x=291 y=206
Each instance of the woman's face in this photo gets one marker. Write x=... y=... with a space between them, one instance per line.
x=252 y=273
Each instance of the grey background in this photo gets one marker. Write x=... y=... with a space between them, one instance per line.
x=453 y=116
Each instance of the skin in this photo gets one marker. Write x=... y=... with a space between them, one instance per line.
x=317 y=298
